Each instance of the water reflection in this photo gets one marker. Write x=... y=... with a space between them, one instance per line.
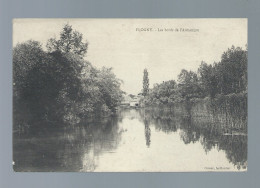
x=209 y=134
x=64 y=148
x=134 y=140
x=147 y=131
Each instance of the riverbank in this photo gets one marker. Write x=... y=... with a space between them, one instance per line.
x=228 y=111
x=99 y=145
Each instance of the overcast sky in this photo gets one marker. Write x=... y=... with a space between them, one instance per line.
x=117 y=43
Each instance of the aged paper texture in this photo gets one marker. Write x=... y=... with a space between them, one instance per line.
x=129 y=95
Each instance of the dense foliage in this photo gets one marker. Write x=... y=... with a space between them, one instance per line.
x=70 y=41
x=229 y=76
x=59 y=86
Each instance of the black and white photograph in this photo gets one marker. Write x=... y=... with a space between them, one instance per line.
x=130 y=95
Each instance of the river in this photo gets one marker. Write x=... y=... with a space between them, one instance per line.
x=133 y=140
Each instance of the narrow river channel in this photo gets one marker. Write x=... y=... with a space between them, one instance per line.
x=133 y=140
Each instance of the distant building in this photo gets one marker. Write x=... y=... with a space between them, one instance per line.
x=135 y=101
x=131 y=101
x=126 y=100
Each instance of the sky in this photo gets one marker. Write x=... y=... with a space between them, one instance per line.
x=165 y=47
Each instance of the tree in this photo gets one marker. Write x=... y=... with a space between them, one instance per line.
x=232 y=71
x=70 y=41
x=163 y=93
x=188 y=84
x=208 y=79
x=25 y=56
x=109 y=87
x=227 y=76
x=220 y=78
x=145 y=83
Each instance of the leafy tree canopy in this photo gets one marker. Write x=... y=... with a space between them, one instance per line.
x=69 y=41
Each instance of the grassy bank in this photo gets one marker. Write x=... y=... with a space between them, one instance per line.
x=227 y=111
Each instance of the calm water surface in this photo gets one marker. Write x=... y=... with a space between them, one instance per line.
x=134 y=140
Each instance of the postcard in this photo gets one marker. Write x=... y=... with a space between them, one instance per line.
x=130 y=95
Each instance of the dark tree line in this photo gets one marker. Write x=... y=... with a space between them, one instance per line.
x=229 y=76
x=58 y=85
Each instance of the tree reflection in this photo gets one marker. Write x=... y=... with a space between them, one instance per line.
x=77 y=147
x=210 y=134
x=66 y=148
x=189 y=133
x=162 y=120
x=147 y=131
